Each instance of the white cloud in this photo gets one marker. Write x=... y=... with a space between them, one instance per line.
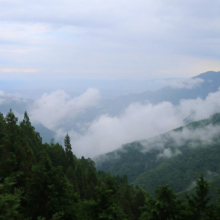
x=139 y=122
x=191 y=83
x=57 y=108
x=8 y=98
x=198 y=108
x=195 y=138
x=167 y=153
x=169 y=144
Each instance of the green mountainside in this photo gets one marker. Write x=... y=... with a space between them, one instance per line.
x=175 y=158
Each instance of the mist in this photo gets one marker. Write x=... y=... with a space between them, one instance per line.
x=55 y=108
x=104 y=133
x=191 y=83
x=170 y=143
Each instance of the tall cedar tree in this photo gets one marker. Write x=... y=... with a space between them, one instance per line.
x=69 y=153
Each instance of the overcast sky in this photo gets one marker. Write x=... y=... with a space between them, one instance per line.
x=111 y=39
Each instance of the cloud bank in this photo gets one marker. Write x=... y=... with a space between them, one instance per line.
x=144 y=121
x=191 y=83
x=105 y=133
x=7 y=98
x=57 y=108
x=170 y=143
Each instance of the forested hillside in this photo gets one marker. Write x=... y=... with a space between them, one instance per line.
x=39 y=181
x=47 y=182
x=175 y=158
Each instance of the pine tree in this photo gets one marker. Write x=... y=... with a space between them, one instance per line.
x=166 y=206
x=139 y=201
x=49 y=191
x=199 y=201
x=70 y=173
x=69 y=154
x=11 y=126
x=126 y=200
x=56 y=154
x=80 y=178
x=10 y=199
x=108 y=203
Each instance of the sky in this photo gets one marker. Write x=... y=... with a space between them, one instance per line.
x=108 y=40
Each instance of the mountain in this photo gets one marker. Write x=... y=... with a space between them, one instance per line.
x=45 y=133
x=8 y=101
x=211 y=83
x=175 y=158
x=114 y=107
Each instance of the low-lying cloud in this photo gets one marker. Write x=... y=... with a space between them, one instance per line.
x=7 y=98
x=170 y=144
x=140 y=121
x=105 y=133
x=58 y=107
x=167 y=153
x=191 y=83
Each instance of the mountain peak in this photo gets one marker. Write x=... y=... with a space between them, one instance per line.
x=208 y=75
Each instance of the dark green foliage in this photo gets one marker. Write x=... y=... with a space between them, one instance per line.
x=199 y=206
x=49 y=191
x=10 y=200
x=70 y=158
x=165 y=206
x=56 y=154
x=138 y=203
x=47 y=182
x=80 y=176
x=108 y=206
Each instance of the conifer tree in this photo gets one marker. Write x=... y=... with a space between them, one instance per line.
x=70 y=173
x=126 y=200
x=166 y=206
x=80 y=178
x=10 y=199
x=32 y=137
x=199 y=201
x=11 y=126
x=49 y=191
x=69 y=153
x=56 y=154
x=108 y=204
x=138 y=203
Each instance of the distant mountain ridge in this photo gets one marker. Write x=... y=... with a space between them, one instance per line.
x=211 y=84
x=115 y=107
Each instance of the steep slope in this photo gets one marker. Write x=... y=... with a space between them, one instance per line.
x=175 y=158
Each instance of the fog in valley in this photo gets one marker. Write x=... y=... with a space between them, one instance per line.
x=94 y=129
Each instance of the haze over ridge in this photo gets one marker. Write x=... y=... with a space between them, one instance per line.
x=98 y=126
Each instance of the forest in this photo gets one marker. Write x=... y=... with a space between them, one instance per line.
x=48 y=182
